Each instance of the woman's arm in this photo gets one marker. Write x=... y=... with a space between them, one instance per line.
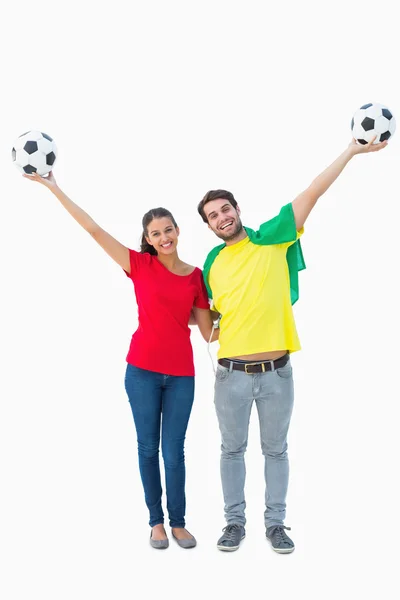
x=203 y=318
x=115 y=249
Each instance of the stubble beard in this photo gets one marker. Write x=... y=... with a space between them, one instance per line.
x=231 y=236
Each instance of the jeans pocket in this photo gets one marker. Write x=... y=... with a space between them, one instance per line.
x=285 y=372
x=221 y=374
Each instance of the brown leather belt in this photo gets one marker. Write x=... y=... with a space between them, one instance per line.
x=255 y=367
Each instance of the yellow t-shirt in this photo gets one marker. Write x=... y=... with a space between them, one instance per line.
x=251 y=290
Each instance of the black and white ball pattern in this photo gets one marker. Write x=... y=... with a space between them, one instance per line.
x=34 y=152
x=373 y=120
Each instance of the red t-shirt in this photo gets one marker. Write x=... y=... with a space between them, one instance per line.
x=161 y=342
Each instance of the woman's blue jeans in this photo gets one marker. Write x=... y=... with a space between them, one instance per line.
x=161 y=406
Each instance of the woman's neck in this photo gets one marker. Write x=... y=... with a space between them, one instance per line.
x=170 y=261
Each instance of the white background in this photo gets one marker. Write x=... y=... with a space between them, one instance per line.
x=154 y=103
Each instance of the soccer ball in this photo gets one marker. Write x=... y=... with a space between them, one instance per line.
x=34 y=152
x=373 y=120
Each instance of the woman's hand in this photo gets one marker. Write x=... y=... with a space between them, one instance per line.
x=48 y=181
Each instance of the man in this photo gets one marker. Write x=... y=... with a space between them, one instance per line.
x=253 y=281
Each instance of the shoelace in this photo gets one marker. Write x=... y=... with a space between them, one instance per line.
x=230 y=531
x=279 y=534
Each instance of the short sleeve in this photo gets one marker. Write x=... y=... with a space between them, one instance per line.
x=278 y=230
x=135 y=259
x=298 y=236
x=201 y=298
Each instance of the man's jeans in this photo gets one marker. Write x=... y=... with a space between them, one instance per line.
x=272 y=392
x=152 y=395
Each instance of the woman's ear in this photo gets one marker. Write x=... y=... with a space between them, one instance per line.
x=177 y=230
x=148 y=241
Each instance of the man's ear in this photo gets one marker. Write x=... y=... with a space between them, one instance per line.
x=238 y=209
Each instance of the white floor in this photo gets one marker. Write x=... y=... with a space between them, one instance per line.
x=74 y=523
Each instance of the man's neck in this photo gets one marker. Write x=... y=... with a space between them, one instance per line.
x=238 y=238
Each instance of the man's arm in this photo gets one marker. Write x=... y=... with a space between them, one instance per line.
x=305 y=202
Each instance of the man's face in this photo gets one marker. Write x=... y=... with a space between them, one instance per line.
x=223 y=219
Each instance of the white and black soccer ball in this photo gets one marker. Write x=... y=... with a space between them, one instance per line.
x=373 y=120
x=34 y=152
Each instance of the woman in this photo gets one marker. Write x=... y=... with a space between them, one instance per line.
x=159 y=377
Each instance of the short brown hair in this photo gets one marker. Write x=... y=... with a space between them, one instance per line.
x=215 y=195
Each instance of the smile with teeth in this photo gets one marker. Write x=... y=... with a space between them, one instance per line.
x=167 y=245
x=226 y=225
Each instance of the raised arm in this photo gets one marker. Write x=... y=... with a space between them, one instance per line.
x=115 y=249
x=305 y=202
x=203 y=318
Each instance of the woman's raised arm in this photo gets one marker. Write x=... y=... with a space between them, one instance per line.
x=113 y=247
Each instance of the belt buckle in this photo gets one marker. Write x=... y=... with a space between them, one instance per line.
x=253 y=365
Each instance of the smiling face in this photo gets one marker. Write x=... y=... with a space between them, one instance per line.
x=163 y=235
x=223 y=219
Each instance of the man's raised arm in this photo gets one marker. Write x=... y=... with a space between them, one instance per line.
x=305 y=202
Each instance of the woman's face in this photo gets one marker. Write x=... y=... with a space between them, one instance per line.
x=163 y=235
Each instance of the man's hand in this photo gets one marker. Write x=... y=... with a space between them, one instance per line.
x=356 y=148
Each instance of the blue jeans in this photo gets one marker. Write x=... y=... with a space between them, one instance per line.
x=161 y=404
x=272 y=393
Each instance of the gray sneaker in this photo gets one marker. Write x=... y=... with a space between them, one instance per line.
x=280 y=541
x=230 y=540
